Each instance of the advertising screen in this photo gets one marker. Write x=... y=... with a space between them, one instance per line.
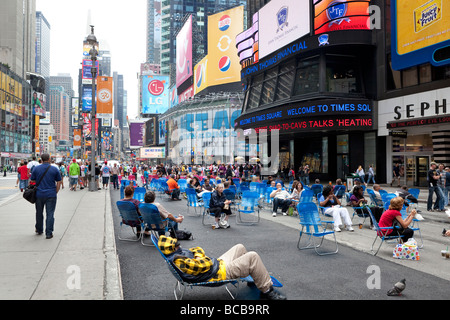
x=86 y=98
x=87 y=74
x=153 y=153
x=200 y=75
x=184 y=52
x=223 y=59
x=419 y=30
x=282 y=22
x=335 y=15
x=155 y=94
x=137 y=134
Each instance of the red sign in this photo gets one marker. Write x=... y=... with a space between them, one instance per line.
x=418 y=122
x=156 y=87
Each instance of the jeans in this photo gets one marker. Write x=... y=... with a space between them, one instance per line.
x=50 y=205
x=446 y=191
x=439 y=203
x=371 y=177
x=114 y=180
x=284 y=204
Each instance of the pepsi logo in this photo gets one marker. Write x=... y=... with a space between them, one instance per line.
x=224 y=63
x=199 y=76
x=156 y=87
x=224 y=23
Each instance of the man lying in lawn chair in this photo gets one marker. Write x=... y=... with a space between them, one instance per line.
x=234 y=264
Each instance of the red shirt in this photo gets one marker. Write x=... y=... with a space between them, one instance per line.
x=23 y=170
x=387 y=219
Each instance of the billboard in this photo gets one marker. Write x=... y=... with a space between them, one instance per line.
x=38 y=101
x=75 y=112
x=86 y=98
x=105 y=97
x=137 y=134
x=419 y=30
x=184 y=53
x=335 y=15
x=200 y=75
x=223 y=59
x=86 y=76
x=153 y=153
x=155 y=94
x=284 y=22
x=248 y=43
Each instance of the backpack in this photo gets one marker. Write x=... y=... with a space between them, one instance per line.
x=181 y=234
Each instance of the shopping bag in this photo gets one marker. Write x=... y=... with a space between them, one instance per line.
x=407 y=251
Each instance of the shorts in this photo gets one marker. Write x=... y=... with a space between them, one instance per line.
x=73 y=181
x=23 y=184
x=105 y=180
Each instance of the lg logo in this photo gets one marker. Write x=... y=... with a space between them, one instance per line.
x=156 y=87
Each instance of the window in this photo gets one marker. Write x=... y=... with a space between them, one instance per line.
x=268 y=89
x=285 y=79
x=410 y=77
x=255 y=92
x=307 y=77
x=343 y=74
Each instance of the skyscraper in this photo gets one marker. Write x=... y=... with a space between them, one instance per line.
x=42 y=45
x=59 y=108
x=18 y=34
x=153 y=31
x=119 y=109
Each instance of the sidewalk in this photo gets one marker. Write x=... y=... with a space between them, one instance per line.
x=79 y=263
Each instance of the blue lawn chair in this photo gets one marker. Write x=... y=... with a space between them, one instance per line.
x=339 y=191
x=413 y=226
x=192 y=200
x=206 y=196
x=182 y=282
x=316 y=188
x=248 y=209
x=152 y=220
x=382 y=233
x=130 y=217
x=306 y=196
x=313 y=227
x=182 y=183
x=139 y=194
x=267 y=199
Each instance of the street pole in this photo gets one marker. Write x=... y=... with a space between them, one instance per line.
x=92 y=40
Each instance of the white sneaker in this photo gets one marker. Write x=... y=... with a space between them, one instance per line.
x=216 y=225
x=284 y=214
x=337 y=229
x=349 y=228
x=447 y=213
x=274 y=214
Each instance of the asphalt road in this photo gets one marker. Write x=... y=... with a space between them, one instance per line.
x=348 y=275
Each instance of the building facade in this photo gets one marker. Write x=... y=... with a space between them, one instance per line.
x=16 y=117
x=59 y=108
x=335 y=95
x=18 y=36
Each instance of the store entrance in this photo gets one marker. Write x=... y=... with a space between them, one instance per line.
x=422 y=164
x=342 y=166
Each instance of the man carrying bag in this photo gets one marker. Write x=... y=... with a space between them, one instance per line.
x=49 y=184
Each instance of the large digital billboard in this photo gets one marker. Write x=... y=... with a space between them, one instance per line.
x=201 y=75
x=184 y=53
x=420 y=29
x=336 y=15
x=137 y=130
x=155 y=94
x=223 y=61
x=282 y=22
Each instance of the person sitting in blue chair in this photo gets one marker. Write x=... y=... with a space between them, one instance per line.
x=173 y=220
x=234 y=264
x=281 y=198
x=218 y=205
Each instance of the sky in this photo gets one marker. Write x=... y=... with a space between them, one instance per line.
x=119 y=26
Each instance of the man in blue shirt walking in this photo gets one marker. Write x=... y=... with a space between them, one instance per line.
x=46 y=194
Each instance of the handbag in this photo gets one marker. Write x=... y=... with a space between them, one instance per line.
x=30 y=192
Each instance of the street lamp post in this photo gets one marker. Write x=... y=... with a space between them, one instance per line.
x=92 y=41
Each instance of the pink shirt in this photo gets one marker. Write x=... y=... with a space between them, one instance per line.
x=387 y=219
